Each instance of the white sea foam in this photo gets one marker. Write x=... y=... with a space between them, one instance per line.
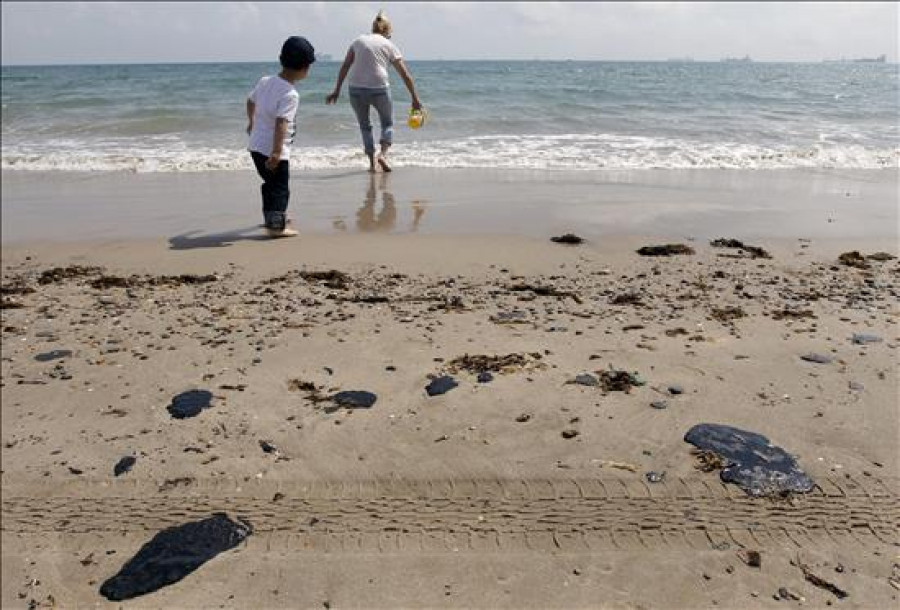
x=533 y=152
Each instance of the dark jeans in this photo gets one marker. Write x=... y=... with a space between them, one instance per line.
x=275 y=191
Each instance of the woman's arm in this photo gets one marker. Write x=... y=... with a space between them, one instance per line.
x=342 y=74
x=401 y=68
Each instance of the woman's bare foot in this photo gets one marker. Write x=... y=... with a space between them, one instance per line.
x=383 y=163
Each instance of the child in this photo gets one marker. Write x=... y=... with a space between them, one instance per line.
x=271 y=107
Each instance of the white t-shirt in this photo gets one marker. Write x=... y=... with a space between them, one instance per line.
x=373 y=55
x=275 y=98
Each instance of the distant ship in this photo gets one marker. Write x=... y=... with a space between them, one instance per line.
x=862 y=60
x=680 y=60
x=323 y=57
x=736 y=60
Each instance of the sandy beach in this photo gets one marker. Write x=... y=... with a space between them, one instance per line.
x=215 y=208
x=614 y=326
x=541 y=484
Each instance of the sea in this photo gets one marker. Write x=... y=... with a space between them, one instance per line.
x=538 y=115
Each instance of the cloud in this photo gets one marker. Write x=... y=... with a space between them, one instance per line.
x=61 y=32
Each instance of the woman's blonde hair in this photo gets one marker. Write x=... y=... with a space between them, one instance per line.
x=381 y=25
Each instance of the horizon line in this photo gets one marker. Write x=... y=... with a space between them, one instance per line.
x=673 y=60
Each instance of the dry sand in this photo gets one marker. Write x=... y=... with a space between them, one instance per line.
x=475 y=498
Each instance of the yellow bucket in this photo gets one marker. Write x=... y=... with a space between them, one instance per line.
x=416 y=118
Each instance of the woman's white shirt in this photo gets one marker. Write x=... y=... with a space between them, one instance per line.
x=373 y=55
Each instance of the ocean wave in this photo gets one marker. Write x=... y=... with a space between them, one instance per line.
x=532 y=152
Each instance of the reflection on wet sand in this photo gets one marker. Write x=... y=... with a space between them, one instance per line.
x=366 y=219
x=371 y=217
x=418 y=206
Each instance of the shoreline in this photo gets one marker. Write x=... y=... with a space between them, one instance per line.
x=746 y=204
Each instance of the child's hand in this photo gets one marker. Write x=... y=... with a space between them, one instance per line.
x=272 y=162
x=331 y=99
x=249 y=127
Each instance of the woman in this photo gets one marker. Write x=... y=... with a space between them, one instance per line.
x=367 y=63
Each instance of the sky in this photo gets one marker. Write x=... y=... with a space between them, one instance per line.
x=161 y=32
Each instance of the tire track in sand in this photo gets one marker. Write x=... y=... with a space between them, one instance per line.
x=578 y=515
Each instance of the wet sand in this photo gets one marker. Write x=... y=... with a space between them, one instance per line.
x=528 y=490
x=830 y=204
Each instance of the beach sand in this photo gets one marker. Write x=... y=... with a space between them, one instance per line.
x=187 y=207
x=525 y=491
